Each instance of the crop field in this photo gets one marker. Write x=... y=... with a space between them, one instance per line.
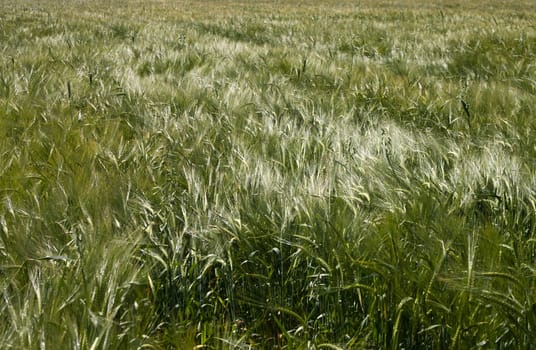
x=267 y=174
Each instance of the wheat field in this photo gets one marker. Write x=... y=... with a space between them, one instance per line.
x=236 y=174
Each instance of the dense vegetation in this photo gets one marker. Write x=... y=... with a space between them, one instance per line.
x=258 y=174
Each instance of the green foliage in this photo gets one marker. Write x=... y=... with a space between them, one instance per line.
x=223 y=175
